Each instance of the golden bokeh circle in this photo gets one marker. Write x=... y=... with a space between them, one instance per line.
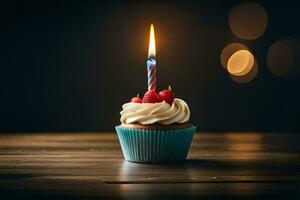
x=248 y=20
x=240 y=63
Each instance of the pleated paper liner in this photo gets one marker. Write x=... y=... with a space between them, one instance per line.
x=155 y=146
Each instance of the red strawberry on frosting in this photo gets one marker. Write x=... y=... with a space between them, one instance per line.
x=167 y=95
x=136 y=99
x=151 y=97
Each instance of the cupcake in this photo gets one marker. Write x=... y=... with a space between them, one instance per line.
x=156 y=128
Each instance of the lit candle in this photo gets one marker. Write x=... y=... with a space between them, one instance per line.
x=151 y=62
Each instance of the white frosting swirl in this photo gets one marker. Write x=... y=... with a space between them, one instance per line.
x=150 y=113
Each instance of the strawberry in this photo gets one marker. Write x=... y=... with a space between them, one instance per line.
x=151 y=97
x=136 y=99
x=167 y=95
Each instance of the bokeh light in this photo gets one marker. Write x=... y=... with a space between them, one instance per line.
x=283 y=57
x=248 y=20
x=240 y=63
x=229 y=50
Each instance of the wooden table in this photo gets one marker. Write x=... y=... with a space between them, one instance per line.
x=91 y=166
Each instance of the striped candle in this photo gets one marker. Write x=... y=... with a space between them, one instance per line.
x=151 y=62
x=151 y=68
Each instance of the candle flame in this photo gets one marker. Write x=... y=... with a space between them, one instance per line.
x=151 y=50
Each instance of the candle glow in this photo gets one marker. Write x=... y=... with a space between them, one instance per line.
x=151 y=62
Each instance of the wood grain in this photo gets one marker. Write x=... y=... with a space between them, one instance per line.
x=91 y=165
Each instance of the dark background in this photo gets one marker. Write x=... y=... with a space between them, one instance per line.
x=70 y=65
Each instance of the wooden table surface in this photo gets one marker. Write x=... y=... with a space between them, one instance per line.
x=91 y=166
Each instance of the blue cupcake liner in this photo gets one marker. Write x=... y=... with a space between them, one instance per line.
x=155 y=146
